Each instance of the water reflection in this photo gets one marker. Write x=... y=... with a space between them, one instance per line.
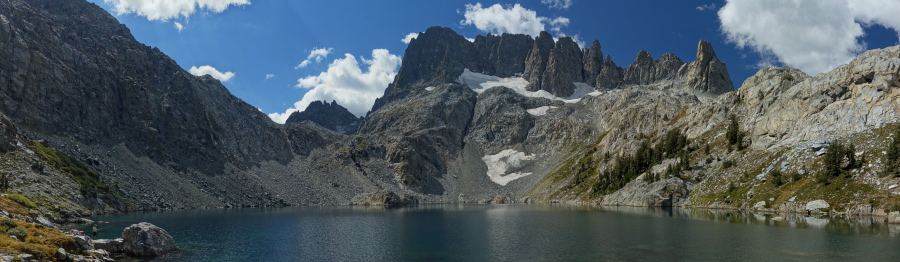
x=515 y=233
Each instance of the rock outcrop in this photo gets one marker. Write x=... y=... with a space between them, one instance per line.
x=503 y=55
x=536 y=63
x=331 y=116
x=147 y=240
x=383 y=199
x=638 y=193
x=564 y=67
x=593 y=63
x=707 y=73
x=646 y=71
x=610 y=76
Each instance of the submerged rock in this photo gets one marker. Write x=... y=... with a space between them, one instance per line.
x=147 y=240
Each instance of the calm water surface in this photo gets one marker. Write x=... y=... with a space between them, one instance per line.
x=510 y=233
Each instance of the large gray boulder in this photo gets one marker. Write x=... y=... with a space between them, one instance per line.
x=147 y=240
x=112 y=245
x=817 y=205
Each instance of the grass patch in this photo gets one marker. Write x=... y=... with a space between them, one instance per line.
x=22 y=200
x=88 y=180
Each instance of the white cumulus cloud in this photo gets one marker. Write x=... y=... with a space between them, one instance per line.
x=813 y=36
x=408 y=38
x=347 y=83
x=179 y=26
x=168 y=9
x=212 y=71
x=270 y=76
x=315 y=56
x=558 y=4
x=514 y=19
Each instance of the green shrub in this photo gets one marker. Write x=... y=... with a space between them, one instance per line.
x=733 y=134
x=22 y=200
x=838 y=159
x=892 y=158
x=727 y=164
x=18 y=232
x=777 y=177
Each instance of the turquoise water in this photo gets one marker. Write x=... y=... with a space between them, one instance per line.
x=510 y=233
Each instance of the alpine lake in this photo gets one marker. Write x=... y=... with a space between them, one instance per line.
x=517 y=232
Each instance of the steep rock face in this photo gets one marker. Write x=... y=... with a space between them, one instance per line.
x=84 y=76
x=422 y=133
x=501 y=120
x=593 y=63
x=787 y=106
x=610 y=75
x=646 y=71
x=537 y=59
x=439 y=55
x=564 y=67
x=328 y=115
x=503 y=55
x=707 y=73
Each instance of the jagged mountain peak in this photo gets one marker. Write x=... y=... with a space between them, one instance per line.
x=328 y=115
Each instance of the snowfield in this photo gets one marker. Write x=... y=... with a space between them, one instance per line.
x=499 y=163
x=480 y=82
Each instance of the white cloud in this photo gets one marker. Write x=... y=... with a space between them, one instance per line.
x=514 y=19
x=558 y=4
x=346 y=83
x=409 y=38
x=270 y=76
x=179 y=26
x=168 y=9
x=813 y=36
x=315 y=56
x=706 y=7
x=212 y=71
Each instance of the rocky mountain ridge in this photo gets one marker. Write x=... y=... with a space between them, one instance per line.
x=502 y=119
x=328 y=115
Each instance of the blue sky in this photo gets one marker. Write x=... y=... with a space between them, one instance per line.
x=256 y=47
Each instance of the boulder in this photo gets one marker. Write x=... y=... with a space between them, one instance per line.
x=760 y=205
x=893 y=217
x=147 y=240
x=112 y=245
x=61 y=254
x=817 y=205
x=84 y=242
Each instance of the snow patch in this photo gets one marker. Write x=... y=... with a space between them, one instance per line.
x=480 y=82
x=539 y=111
x=430 y=88
x=498 y=164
